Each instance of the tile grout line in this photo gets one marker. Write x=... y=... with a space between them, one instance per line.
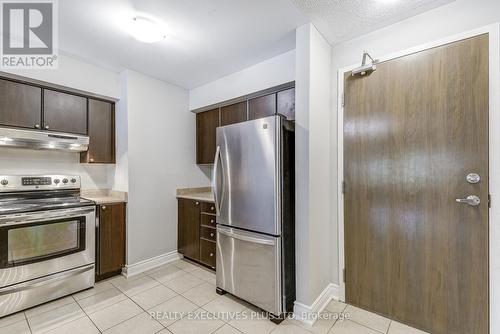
x=92 y=321
x=27 y=322
x=127 y=297
x=146 y=311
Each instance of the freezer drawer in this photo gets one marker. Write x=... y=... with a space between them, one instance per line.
x=249 y=267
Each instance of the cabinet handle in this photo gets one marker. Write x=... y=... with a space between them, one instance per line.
x=91 y=160
x=212 y=221
x=211 y=254
x=37 y=126
x=103 y=207
x=212 y=208
x=197 y=203
x=211 y=234
x=47 y=127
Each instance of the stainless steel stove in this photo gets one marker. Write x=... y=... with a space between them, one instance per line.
x=47 y=240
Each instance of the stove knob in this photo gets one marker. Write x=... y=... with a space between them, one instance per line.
x=73 y=180
x=65 y=181
x=4 y=182
x=56 y=181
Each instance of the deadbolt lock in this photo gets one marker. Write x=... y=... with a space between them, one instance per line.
x=473 y=178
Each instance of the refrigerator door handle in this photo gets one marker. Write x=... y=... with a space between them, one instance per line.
x=215 y=181
x=245 y=237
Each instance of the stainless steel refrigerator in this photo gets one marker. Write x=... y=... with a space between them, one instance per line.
x=253 y=184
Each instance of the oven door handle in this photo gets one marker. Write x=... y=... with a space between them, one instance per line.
x=44 y=216
x=35 y=283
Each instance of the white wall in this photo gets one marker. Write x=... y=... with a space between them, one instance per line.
x=312 y=111
x=161 y=158
x=454 y=18
x=75 y=74
x=269 y=73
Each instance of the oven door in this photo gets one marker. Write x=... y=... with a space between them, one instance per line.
x=42 y=243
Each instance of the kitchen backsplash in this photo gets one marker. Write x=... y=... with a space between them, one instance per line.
x=21 y=161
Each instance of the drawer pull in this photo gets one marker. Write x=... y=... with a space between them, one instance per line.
x=212 y=221
x=197 y=203
x=211 y=234
x=211 y=254
x=212 y=208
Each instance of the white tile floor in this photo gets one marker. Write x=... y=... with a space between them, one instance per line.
x=121 y=305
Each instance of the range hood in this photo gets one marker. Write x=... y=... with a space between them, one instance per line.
x=43 y=140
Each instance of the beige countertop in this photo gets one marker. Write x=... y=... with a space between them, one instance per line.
x=198 y=194
x=104 y=196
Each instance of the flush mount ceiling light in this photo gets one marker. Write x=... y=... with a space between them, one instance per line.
x=387 y=1
x=146 y=30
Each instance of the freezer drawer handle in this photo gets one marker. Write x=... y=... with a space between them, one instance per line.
x=247 y=238
x=44 y=280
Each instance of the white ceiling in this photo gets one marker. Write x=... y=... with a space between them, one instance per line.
x=340 y=20
x=208 y=39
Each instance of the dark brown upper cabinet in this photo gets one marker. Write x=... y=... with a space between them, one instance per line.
x=261 y=107
x=272 y=101
x=101 y=130
x=286 y=103
x=20 y=105
x=234 y=113
x=64 y=112
x=206 y=125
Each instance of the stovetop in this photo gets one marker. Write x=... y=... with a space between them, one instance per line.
x=11 y=205
x=30 y=193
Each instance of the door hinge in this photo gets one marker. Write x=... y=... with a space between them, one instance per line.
x=489 y=200
x=343 y=274
x=343 y=187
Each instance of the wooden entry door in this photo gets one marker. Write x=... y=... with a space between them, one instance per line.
x=413 y=130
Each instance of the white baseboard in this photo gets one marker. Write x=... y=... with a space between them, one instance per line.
x=306 y=313
x=145 y=265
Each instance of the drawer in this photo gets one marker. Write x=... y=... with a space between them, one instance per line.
x=208 y=220
x=208 y=207
x=208 y=233
x=207 y=252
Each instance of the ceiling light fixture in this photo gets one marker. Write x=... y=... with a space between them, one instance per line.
x=387 y=1
x=146 y=30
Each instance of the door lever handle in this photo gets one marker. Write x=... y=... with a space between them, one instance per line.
x=471 y=200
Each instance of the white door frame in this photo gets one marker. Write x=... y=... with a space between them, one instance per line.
x=494 y=158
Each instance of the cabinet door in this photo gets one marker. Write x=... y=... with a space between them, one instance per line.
x=286 y=103
x=261 y=107
x=111 y=238
x=206 y=125
x=20 y=105
x=101 y=132
x=234 y=113
x=189 y=228
x=64 y=112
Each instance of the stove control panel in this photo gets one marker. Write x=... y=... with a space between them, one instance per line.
x=36 y=181
x=15 y=183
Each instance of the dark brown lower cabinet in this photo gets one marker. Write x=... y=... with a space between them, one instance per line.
x=110 y=240
x=196 y=231
x=207 y=253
